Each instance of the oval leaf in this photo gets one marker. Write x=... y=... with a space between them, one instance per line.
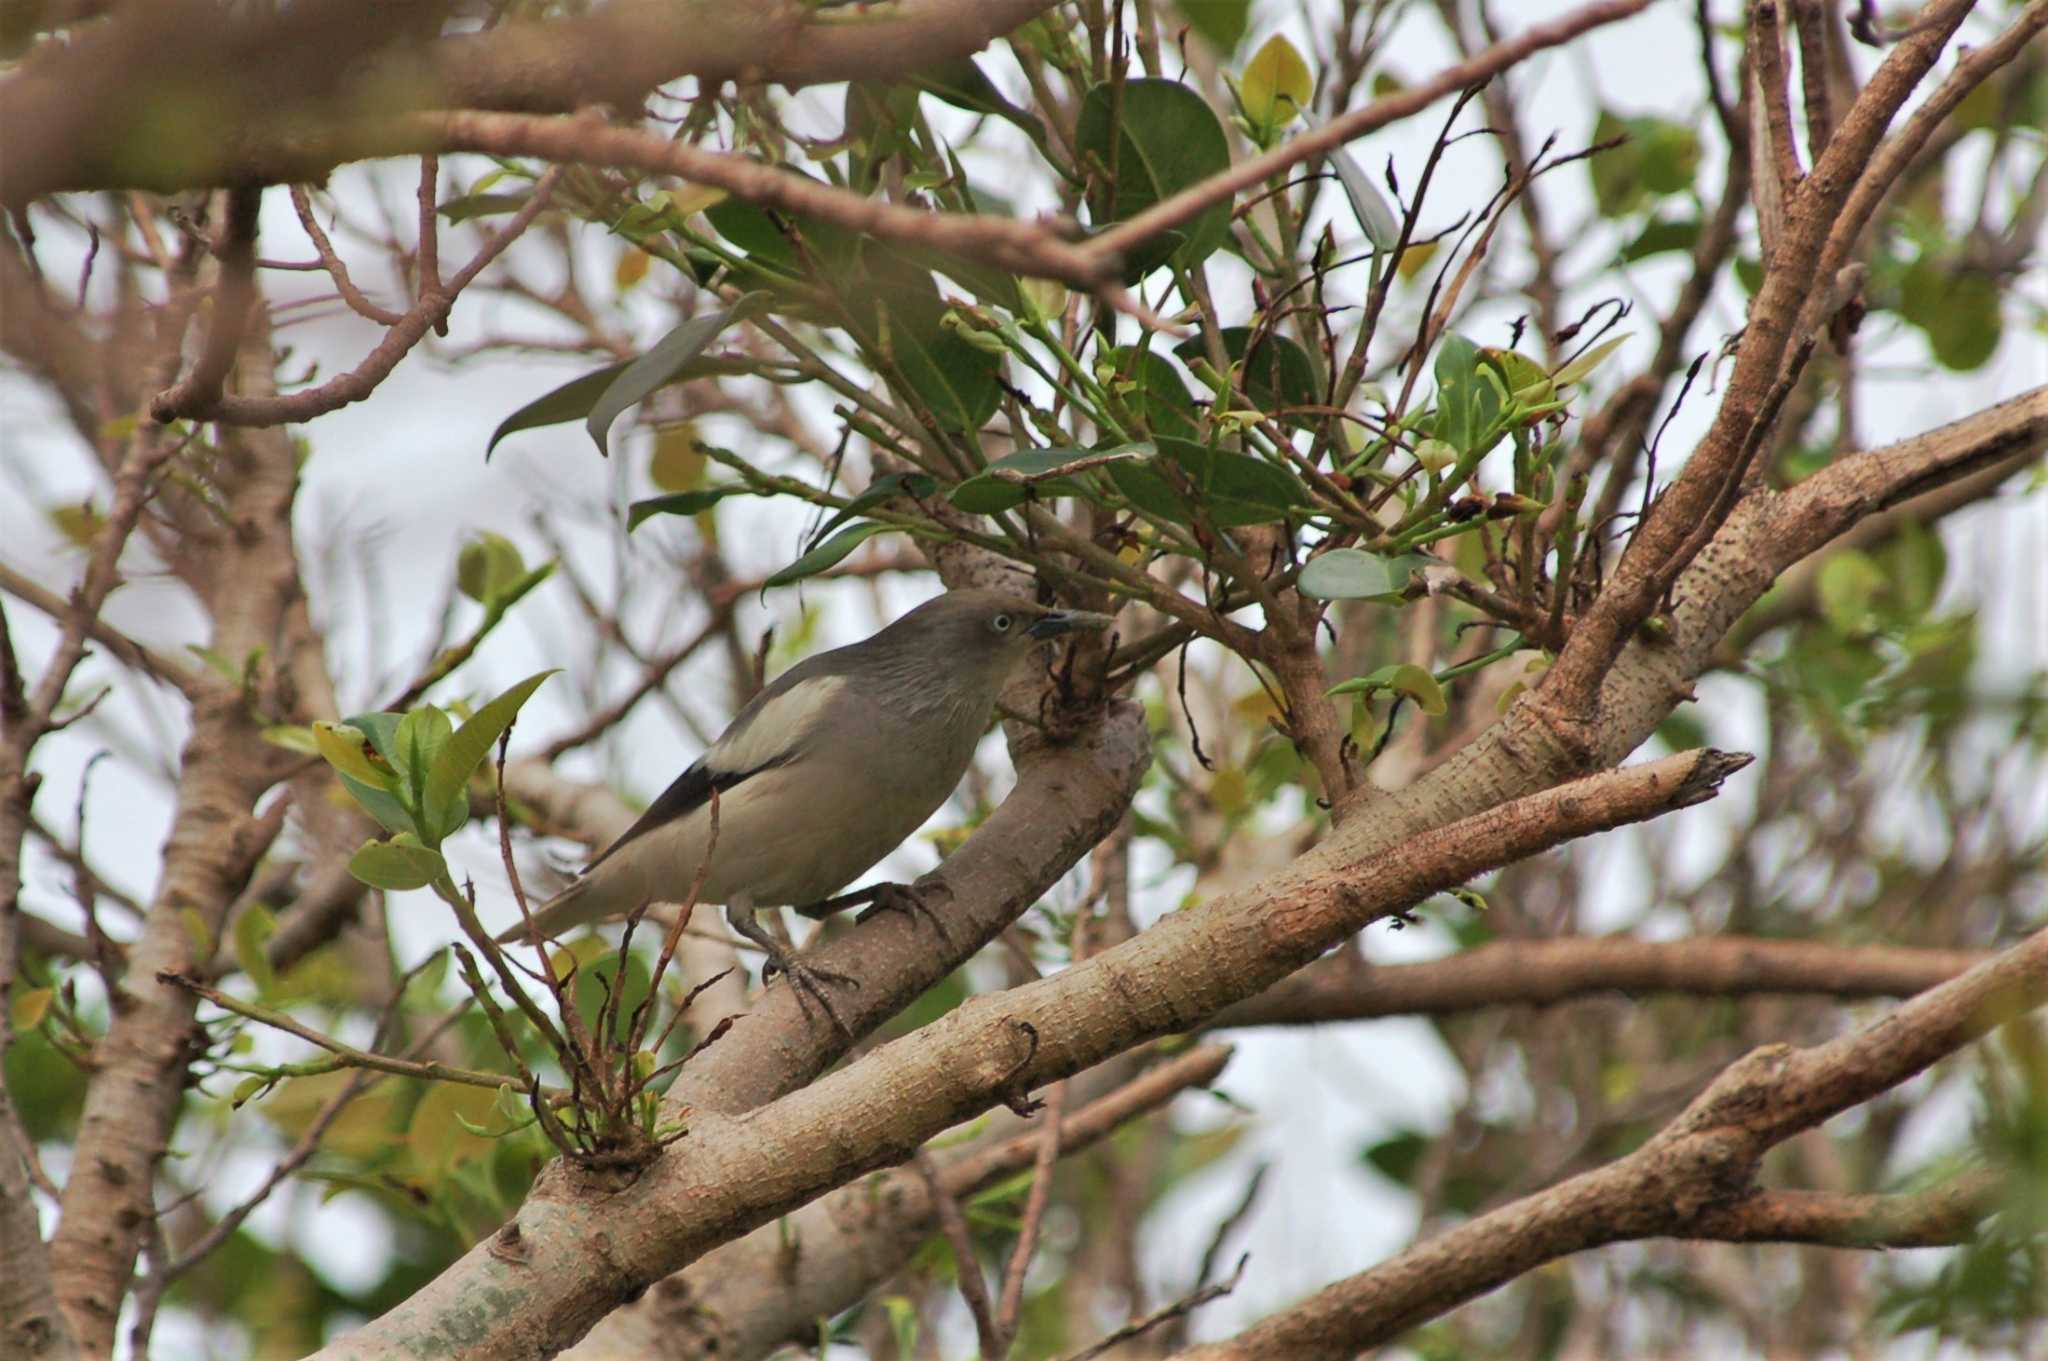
x=1156 y=138
x=445 y=803
x=681 y=503
x=567 y=402
x=1273 y=371
x=1010 y=481
x=342 y=746
x=1403 y=679
x=397 y=865
x=1276 y=85
x=1347 y=574
x=828 y=553
x=667 y=362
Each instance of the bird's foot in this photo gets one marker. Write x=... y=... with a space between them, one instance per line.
x=913 y=900
x=808 y=982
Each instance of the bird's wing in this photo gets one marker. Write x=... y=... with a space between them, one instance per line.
x=771 y=731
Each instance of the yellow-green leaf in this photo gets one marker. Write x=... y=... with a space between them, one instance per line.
x=678 y=461
x=29 y=1008
x=487 y=565
x=448 y=779
x=397 y=864
x=1582 y=367
x=252 y=932
x=1276 y=85
x=348 y=751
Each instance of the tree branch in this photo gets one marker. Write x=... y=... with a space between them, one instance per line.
x=1693 y=1179
x=1191 y=202
x=97 y=111
x=1344 y=987
x=570 y=1257
x=754 y=1295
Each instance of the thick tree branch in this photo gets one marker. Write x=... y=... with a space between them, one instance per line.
x=571 y=1256
x=1344 y=987
x=215 y=840
x=770 y=1288
x=177 y=95
x=1694 y=1179
x=1692 y=507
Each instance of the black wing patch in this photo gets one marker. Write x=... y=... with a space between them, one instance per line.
x=689 y=791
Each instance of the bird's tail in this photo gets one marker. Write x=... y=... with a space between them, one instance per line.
x=571 y=907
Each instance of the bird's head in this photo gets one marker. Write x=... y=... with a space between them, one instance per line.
x=985 y=632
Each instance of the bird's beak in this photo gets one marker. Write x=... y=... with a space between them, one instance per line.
x=1067 y=621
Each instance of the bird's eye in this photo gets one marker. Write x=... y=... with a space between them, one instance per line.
x=1001 y=623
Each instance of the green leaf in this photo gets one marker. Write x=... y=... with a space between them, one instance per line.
x=1964 y=327
x=248 y=1089
x=898 y=315
x=1274 y=372
x=1658 y=237
x=1228 y=488
x=1276 y=86
x=1376 y=217
x=1849 y=586
x=1581 y=368
x=1348 y=574
x=1659 y=157
x=296 y=737
x=565 y=403
x=884 y=488
x=963 y=84
x=1158 y=138
x=668 y=362
x=1353 y=574
x=397 y=864
x=1238 y=489
x=1468 y=405
x=381 y=804
x=421 y=737
x=1156 y=393
x=487 y=564
x=1041 y=473
x=342 y=746
x=828 y=553
x=471 y=206
x=446 y=799
x=252 y=933
x=1397 y=1158
x=1221 y=22
x=682 y=503
x=1402 y=678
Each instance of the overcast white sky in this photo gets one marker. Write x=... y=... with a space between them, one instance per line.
x=403 y=474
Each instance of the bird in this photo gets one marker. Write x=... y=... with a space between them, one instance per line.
x=825 y=771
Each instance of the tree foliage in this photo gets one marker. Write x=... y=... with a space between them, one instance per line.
x=1465 y=468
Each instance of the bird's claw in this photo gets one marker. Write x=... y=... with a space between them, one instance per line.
x=909 y=899
x=807 y=982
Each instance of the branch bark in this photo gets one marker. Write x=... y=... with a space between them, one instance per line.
x=176 y=95
x=1345 y=987
x=1694 y=1179
x=577 y=1249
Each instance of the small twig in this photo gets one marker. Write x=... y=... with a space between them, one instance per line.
x=429 y=313
x=1187 y=1304
x=966 y=1263
x=430 y=235
x=336 y=270
x=1191 y=202
x=350 y=1056
x=199 y=394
